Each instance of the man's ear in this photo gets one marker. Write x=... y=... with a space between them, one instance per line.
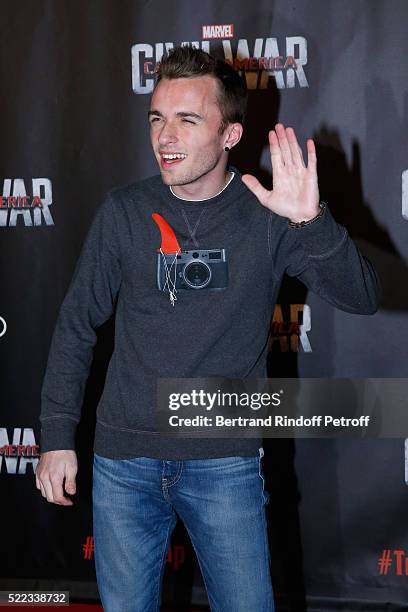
x=234 y=132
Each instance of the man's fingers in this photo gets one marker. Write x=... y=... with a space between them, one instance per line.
x=295 y=149
x=302 y=161
x=255 y=186
x=311 y=155
x=56 y=470
x=285 y=147
x=284 y=144
x=276 y=155
x=70 y=474
x=53 y=491
x=48 y=490
x=58 y=491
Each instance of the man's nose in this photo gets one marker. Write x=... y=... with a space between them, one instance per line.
x=168 y=134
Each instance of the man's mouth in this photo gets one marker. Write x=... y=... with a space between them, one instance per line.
x=171 y=159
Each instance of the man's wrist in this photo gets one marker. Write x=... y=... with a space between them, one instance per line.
x=299 y=224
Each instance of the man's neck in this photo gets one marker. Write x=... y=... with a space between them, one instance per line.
x=202 y=191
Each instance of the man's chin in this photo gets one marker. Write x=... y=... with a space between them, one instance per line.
x=181 y=176
x=170 y=179
x=166 y=178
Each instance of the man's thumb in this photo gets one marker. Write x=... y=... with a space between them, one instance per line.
x=70 y=485
x=255 y=186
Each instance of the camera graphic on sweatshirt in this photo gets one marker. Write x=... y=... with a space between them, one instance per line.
x=196 y=269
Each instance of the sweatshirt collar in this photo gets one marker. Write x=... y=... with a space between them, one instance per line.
x=229 y=192
x=232 y=174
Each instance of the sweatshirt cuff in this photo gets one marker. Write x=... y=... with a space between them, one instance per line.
x=321 y=237
x=57 y=433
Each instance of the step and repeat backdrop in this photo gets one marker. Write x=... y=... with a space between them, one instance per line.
x=76 y=80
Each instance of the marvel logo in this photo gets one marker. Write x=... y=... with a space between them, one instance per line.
x=218 y=31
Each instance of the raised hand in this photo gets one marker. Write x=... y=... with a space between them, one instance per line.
x=295 y=192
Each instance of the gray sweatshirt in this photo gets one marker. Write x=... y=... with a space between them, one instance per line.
x=208 y=332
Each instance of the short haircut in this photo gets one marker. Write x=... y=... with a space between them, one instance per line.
x=186 y=62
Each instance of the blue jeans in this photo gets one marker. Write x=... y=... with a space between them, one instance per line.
x=222 y=505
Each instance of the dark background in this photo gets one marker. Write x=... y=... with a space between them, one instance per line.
x=73 y=118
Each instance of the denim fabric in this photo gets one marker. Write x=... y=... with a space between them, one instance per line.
x=221 y=502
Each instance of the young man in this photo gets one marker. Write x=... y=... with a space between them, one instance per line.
x=197 y=322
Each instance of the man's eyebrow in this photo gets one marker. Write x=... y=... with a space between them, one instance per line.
x=179 y=114
x=188 y=114
x=154 y=112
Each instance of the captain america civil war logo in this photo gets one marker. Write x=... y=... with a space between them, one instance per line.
x=289 y=327
x=23 y=205
x=258 y=60
x=18 y=450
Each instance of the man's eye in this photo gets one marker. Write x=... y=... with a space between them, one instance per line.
x=153 y=119
x=188 y=121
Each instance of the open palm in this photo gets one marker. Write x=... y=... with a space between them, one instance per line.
x=295 y=192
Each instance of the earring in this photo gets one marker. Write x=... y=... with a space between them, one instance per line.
x=226 y=148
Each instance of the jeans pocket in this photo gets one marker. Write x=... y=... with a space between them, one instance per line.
x=265 y=493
